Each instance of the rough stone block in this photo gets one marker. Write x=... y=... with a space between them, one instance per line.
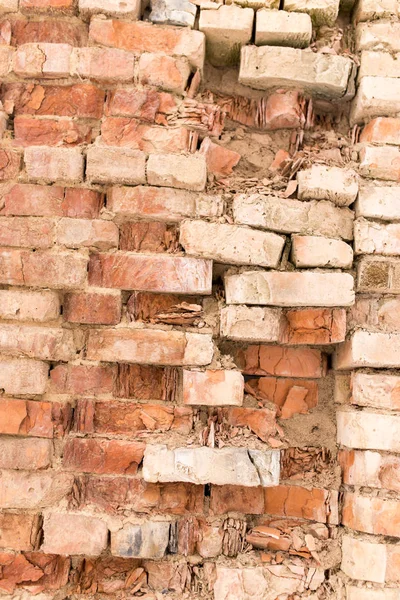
x=150 y=346
x=252 y=324
x=292 y=216
x=227 y=29
x=340 y=186
x=231 y=244
x=177 y=171
x=313 y=251
x=225 y=466
x=146 y=540
x=322 y=12
x=267 y=67
x=290 y=289
x=281 y=28
x=213 y=388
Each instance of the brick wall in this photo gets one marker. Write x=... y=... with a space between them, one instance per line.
x=199 y=315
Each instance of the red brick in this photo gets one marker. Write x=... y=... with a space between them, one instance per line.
x=383 y=130
x=146 y=383
x=314 y=326
x=115 y=494
x=371 y=515
x=103 y=64
x=47 y=5
x=82 y=379
x=91 y=307
x=220 y=160
x=130 y=418
x=165 y=72
x=130 y=271
x=146 y=105
x=33 y=571
x=82 y=203
x=148 y=237
x=261 y=421
x=276 y=390
x=50 y=164
x=80 y=100
x=154 y=308
x=49 y=31
x=23 y=376
x=10 y=163
x=123 y=131
x=29 y=131
x=82 y=233
x=284 y=362
x=26 y=232
x=62 y=270
x=74 y=534
x=42 y=60
x=19 y=531
x=102 y=456
x=28 y=454
x=232 y=498
x=104 y=573
x=293 y=501
x=26 y=417
x=142 y=37
x=37 y=342
x=33 y=200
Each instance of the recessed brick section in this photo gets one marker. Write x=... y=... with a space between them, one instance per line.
x=146 y=383
x=92 y=308
x=130 y=418
x=213 y=388
x=102 y=456
x=294 y=501
x=157 y=308
x=284 y=362
x=148 y=237
x=26 y=417
x=314 y=326
x=19 y=531
x=277 y=390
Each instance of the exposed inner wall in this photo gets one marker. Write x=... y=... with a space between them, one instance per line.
x=199 y=279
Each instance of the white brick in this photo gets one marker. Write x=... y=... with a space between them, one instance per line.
x=293 y=216
x=376 y=97
x=280 y=28
x=145 y=540
x=252 y=324
x=224 y=466
x=322 y=12
x=362 y=593
x=115 y=165
x=7 y=6
x=173 y=12
x=231 y=244
x=369 y=10
x=366 y=430
x=215 y=387
x=375 y=64
x=363 y=560
x=290 y=289
x=378 y=36
x=226 y=29
x=313 y=251
x=376 y=238
x=177 y=171
x=340 y=186
x=266 y=67
x=128 y=8
x=366 y=468
x=376 y=390
x=369 y=349
x=28 y=305
x=380 y=162
x=52 y=164
x=381 y=202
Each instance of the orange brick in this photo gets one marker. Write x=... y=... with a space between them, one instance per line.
x=51 y=31
x=102 y=456
x=19 y=531
x=93 y=308
x=165 y=72
x=371 y=515
x=276 y=389
x=383 y=130
x=146 y=105
x=314 y=326
x=370 y=469
x=123 y=131
x=29 y=131
x=294 y=501
x=10 y=163
x=220 y=160
x=281 y=361
x=232 y=498
x=26 y=417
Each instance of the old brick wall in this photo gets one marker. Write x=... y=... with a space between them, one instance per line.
x=199 y=315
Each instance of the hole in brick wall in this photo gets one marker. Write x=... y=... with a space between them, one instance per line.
x=207 y=490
